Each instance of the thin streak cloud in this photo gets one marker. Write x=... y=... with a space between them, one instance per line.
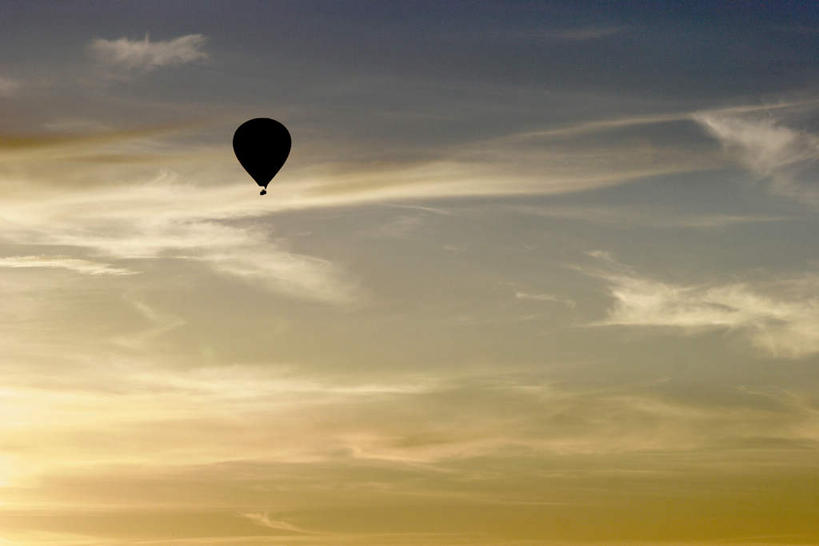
x=75 y=265
x=581 y=34
x=602 y=125
x=530 y=296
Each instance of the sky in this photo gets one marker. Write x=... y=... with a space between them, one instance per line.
x=535 y=273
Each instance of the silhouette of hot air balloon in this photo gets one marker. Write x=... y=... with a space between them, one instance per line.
x=261 y=145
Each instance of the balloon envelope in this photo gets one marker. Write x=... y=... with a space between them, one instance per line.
x=261 y=145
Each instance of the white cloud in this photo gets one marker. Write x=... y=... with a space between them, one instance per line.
x=147 y=55
x=785 y=156
x=762 y=144
x=76 y=265
x=781 y=326
x=160 y=219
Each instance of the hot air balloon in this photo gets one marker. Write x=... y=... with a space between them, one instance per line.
x=261 y=145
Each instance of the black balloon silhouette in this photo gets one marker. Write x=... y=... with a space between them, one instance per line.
x=262 y=145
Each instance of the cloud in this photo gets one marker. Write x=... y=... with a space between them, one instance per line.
x=279 y=271
x=160 y=324
x=129 y=212
x=520 y=295
x=531 y=162
x=638 y=216
x=264 y=520
x=158 y=219
x=126 y=211
x=765 y=146
x=36 y=154
x=556 y=160
x=603 y=125
x=76 y=265
x=486 y=440
x=581 y=34
x=146 y=55
x=9 y=86
x=75 y=125
x=781 y=326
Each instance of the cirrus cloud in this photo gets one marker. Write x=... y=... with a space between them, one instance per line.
x=146 y=55
x=784 y=156
x=85 y=267
x=781 y=325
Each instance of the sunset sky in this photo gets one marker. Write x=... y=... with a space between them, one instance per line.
x=535 y=273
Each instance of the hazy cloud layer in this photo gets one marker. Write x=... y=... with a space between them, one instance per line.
x=9 y=86
x=278 y=416
x=445 y=443
x=583 y=33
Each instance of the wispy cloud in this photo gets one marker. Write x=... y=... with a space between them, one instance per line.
x=159 y=323
x=146 y=55
x=9 y=86
x=781 y=326
x=603 y=125
x=75 y=125
x=76 y=265
x=764 y=145
x=530 y=296
x=139 y=217
x=266 y=266
x=147 y=222
x=636 y=216
x=264 y=520
x=521 y=163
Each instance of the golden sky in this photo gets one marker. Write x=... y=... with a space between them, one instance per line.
x=534 y=274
